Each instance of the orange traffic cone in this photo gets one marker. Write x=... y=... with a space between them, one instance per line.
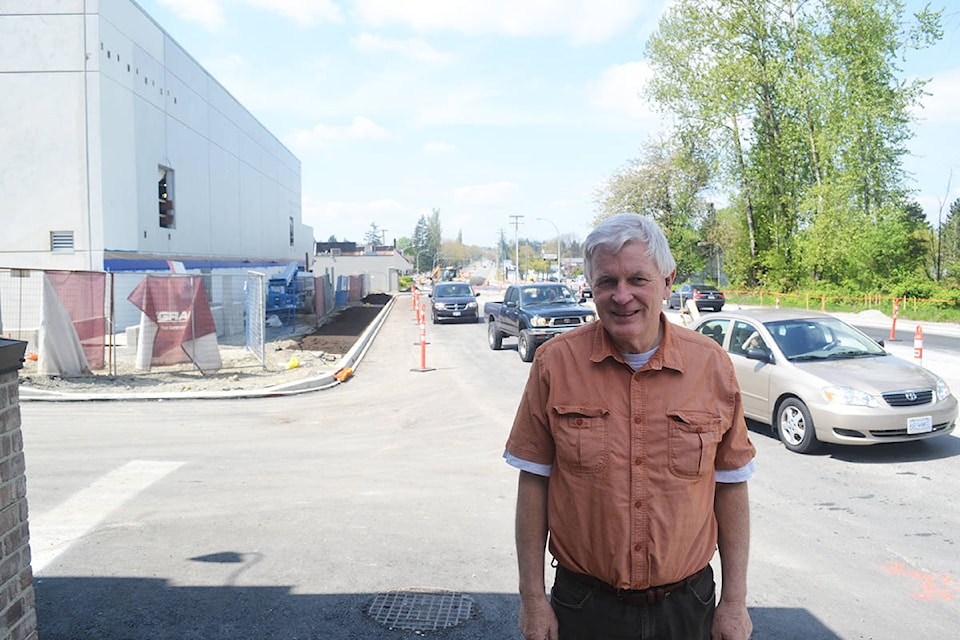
x=918 y=345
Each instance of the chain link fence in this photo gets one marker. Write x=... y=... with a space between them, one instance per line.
x=109 y=322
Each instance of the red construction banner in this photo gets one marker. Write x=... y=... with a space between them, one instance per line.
x=82 y=294
x=178 y=305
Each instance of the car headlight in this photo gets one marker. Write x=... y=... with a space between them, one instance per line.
x=589 y=318
x=439 y=306
x=943 y=390
x=471 y=305
x=850 y=396
x=537 y=321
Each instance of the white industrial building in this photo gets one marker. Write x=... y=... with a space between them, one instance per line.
x=118 y=151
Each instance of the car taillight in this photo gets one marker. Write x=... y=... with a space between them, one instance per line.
x=697 y=294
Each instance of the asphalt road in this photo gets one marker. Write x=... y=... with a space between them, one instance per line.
x=286 y=517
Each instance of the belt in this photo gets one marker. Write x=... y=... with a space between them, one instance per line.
x=649 y=596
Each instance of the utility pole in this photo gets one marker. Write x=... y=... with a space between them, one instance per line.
x=557 y=229
x=515 y=221
x=500 y=255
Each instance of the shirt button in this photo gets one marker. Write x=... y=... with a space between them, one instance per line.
x=636 y=547
x=579 y=421
x=638 y=504
x=636 y=420
x=639 y=461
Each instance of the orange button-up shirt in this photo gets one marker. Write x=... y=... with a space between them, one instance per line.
x=633 y=453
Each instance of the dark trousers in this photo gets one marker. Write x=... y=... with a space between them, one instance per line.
x=590 y=613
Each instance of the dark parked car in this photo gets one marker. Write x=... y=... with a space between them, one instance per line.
x=706 y=296
x=454 y=301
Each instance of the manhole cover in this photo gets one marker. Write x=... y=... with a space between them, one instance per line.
x=421 y=610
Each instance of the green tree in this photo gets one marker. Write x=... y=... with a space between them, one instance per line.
x=424 y=254
x=434 y=233
x=664 y=184
x=803 y=104
x=949 y=243
x=373 y=236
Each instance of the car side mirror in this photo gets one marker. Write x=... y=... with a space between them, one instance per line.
x=476 y=294
x=511 y=303
x=762 y=355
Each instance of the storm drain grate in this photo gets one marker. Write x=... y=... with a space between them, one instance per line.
x=421 y=610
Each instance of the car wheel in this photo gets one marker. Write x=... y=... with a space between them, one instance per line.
x=435 y=319
x=494 y=337
x=526 y=346
x=670 y=304
x=795 y=427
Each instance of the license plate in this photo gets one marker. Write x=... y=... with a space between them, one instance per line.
x=456 y=313
x=923 y=424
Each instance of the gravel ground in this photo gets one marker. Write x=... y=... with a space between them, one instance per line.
x=288 y=360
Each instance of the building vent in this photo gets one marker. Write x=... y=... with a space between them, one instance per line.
x=61 y=241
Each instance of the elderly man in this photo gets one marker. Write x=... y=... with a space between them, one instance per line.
x=633 y=457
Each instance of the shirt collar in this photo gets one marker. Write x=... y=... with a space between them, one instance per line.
x=668 y=356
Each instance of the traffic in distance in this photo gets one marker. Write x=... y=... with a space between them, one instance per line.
x=809 y=376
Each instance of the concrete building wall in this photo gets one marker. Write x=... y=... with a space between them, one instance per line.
x=101 y=101
x=381 y=270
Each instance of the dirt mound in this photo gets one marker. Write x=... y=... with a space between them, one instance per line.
x=377 y=298
x=341 y=331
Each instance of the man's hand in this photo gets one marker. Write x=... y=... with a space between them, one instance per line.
x=730 y=622
x=537 y=619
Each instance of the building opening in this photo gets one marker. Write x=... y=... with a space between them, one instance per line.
x=165 y=197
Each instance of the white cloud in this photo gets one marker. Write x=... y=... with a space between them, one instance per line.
x=439 y=147
x=351 y=220
x=360 y=129
x=209 y=13
x=580 y=20
x=495 y=193
x=414 y=49
x=619 y=90
x=941 y=106
x=304 y=12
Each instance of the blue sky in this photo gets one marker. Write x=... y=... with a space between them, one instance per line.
x=481 y=109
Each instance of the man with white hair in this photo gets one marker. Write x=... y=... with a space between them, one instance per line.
x=634 y=459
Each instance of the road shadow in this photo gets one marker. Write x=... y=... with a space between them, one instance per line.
x=73 y=608
x=937 y=448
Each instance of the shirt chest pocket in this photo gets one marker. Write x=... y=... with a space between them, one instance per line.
x=581 y=436
x=693 y=439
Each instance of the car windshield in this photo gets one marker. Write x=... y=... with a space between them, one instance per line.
x=547 y=295
x=821 y=339
x=452 y=290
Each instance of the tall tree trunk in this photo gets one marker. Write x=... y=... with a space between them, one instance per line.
x=748 y=199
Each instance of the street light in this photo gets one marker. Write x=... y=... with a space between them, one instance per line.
x=716 y=248
x=557 y=229
x=418 y=258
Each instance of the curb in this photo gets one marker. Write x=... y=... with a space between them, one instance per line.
x=350 y=359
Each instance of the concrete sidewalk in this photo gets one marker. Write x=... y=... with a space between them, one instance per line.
x=350 y=361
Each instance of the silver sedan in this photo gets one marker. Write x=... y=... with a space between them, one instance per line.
x=815 y=378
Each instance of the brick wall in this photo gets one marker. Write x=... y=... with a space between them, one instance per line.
x=18 y=615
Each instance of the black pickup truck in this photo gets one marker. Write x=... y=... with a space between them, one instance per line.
x=534 y=313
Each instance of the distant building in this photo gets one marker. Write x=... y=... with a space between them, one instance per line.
x=120 y=152
x=382 y=265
